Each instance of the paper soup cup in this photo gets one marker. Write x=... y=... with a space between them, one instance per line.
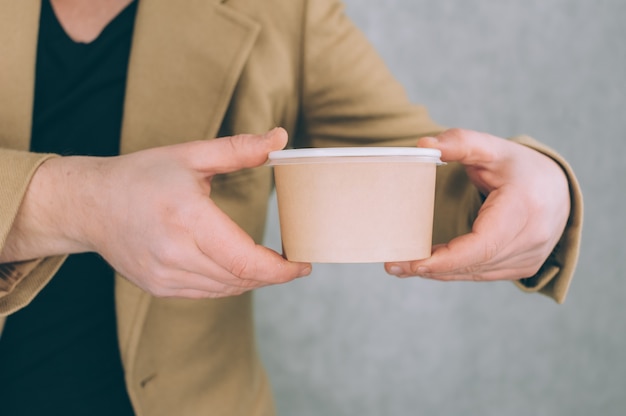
x=355 y=205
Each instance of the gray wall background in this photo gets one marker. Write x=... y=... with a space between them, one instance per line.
x=350 y=340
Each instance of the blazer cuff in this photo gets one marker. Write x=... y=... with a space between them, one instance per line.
x=554 y=277
x=30 y=278
x=19 y=281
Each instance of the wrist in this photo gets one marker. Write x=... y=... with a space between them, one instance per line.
x=54 y=216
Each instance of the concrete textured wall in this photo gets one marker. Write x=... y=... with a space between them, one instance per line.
x=350 y=340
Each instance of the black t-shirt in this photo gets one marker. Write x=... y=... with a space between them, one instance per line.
x=59 y=355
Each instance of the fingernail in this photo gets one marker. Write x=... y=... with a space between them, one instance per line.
x=396 y=270
x=273 y=131
x=305 y=272
x=269 y=132
x=430 y=139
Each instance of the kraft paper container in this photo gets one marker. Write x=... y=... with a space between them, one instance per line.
x=355 y=205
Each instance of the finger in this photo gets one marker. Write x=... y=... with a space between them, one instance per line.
x=195 y=294
x=502 y=273
x=197 y=271
x=205 y=274
x=468 y=147
x=497 y=226
x=208 y=283
x=228 y=154
x=235 y=251
x=489 y=161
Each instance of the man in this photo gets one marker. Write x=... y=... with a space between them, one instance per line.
x=179 y=217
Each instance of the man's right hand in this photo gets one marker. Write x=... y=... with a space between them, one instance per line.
x=150 y=216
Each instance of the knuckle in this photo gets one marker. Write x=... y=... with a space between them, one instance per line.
x=247 y=284
x=281 y=276
x=160 y=282
x=477 y=277
x=158 y=291
x=240 y=266
x=228 y=291
x=236 y=143
x=456 y=131
x=192 y=295
x=166 y=277
x=414 y=269
x=443 y=277
x=167 y=254
x=491 y=250
x=473 y=271
x=543 y=235
x=530 y=271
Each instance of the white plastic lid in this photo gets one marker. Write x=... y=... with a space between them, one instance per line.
x=365 y=154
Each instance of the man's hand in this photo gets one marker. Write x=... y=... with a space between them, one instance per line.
x=526 y=208
x=150 y=216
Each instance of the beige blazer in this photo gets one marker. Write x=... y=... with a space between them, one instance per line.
x=207 y=68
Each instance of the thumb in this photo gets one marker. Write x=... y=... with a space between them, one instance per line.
x=228 y=154
x=470 y=148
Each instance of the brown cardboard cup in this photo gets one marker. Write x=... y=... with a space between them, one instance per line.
x=355 y=205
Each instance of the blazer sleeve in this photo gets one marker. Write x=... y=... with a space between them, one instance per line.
x=350 y=98
x=21 y=281
x=555 y=276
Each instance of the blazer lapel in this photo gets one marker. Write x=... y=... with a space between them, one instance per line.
x=185 y=61
x=19 y=28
